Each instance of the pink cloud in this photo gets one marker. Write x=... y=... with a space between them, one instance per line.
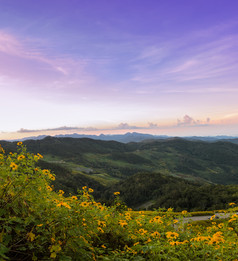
x=21 y=59
x=189 y=121
x=9 y=44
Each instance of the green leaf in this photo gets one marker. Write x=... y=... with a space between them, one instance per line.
x=65 y=258
x=2 y=212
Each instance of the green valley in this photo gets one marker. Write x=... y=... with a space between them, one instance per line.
x=191 y=175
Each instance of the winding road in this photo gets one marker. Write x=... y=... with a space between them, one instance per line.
x=200 y=218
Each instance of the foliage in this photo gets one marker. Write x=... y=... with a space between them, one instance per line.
x=166 y=191
x=68 y=181
x=37 y=223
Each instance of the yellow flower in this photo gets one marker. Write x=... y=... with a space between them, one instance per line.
x=103 y=246
x=84 y=204
x=212 y=217
x=53 y=255
x=116 y=193
x=100 y=230
x=1 y=149
x=90 y=190
x=220 y=225
x=155 y=234
x=200 y=238
x=66 y=205
x=127 y=216
x=142 y=231
x=61 y=192
x=172 y=235
x=232 y=203
x=20 y=157
x=39 y=155
x=31 y=236
x=122 y=223
x=60 y=204
x=101 y=223
x=51 y=176
x=74 y=197
x=174 y=243
x=49 y=188
x=45 y=171
x=156 y=219
x=148 y=241
x=63 y=204
x=19 y=143
x=40 y=225
x=233 y=218
x=13 y=166
x=217 y=238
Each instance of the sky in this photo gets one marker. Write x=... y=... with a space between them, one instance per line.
x=115 y=66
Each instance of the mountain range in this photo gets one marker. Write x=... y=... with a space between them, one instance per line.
x=133 y=137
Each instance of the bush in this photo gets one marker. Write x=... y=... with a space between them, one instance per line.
x=37 y=223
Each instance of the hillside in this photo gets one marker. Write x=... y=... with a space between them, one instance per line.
x=193 y=160
x=39 y=223
x=153 y=190
x=153 y=173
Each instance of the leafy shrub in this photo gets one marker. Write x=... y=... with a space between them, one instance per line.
x=37 y=223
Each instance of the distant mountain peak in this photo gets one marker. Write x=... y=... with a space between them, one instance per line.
x=135 y=137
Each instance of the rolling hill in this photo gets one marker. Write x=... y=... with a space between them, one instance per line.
x=193 y=160
x=144 y=172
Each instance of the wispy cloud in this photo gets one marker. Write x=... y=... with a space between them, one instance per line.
x=26 y=59
x=187 y=122
x=212 y=59
x=121 y=126
x=64 y=128
x=10 y=45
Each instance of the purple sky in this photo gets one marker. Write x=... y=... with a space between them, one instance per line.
x=163 y=67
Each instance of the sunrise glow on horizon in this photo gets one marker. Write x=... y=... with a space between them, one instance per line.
x=158 y=67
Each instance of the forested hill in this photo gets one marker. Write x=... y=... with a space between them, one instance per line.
x=154 y=172
x=213 y=162
x=153 y=190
